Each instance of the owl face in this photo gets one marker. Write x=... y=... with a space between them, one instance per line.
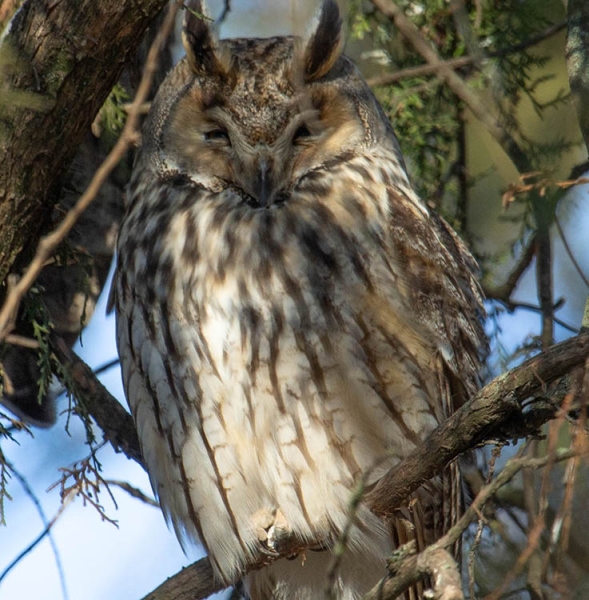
x=257 y=115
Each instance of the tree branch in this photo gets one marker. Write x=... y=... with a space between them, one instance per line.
x=497 y=410
x=503 y=292
x=116 y=423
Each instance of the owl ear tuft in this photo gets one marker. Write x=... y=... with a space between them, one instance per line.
x=325 y=43
x=199 y=40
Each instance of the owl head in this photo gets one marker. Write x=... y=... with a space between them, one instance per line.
x=257 y=115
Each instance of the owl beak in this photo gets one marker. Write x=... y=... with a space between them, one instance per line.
x=263 y=188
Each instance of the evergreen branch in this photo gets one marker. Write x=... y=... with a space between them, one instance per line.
x=483 y=112
x=465 y=61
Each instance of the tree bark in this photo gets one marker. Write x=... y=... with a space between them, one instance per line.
x=68 y=55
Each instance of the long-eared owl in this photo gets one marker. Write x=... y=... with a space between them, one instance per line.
x=290 y=315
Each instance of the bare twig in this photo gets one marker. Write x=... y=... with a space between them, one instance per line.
x=21 y=340
x=133 y=492
x=64 y=504
x=420 y=71
x=224 y=13
x=83 y=479
x=544 y=277
x=569 y=251
x=504 y=291
x=512 y=306
x=45 y=533
x=540 y=185
x=530 y=555
x=495 y=454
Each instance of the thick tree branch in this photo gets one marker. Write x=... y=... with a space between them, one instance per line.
x=496 y=411
x=195 y=581
x=70 y=54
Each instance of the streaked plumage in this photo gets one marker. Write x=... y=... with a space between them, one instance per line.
x=289 y=312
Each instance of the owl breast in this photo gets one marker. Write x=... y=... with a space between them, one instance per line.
x=270 y=366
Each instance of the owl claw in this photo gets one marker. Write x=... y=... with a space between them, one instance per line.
x=263 y=520
x=278 y=531
x=272 y=529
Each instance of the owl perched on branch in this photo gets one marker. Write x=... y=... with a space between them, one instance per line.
x=291 y=317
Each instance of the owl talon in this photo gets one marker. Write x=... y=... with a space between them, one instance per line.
x=272 y=528
x=278 y=531
x=263 y=520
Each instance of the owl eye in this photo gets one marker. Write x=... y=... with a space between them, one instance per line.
x=301 y=134
x=216 y=135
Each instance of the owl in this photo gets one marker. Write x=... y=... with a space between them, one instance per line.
x=291 y=317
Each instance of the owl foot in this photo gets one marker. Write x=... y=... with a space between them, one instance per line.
x=272 y=528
